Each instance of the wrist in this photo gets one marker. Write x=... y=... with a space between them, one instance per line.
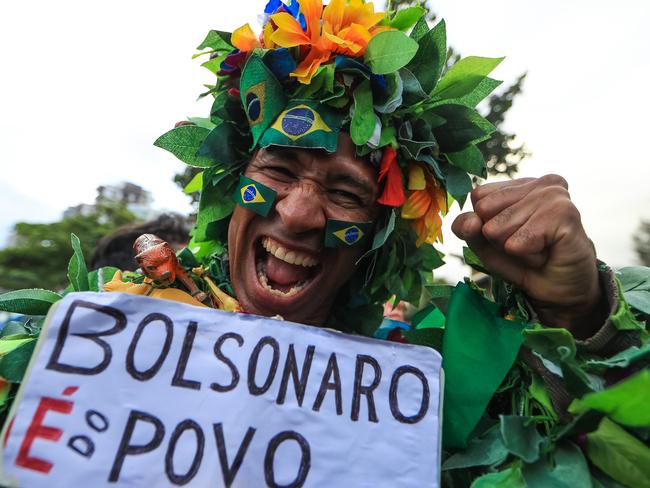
x=582 y=318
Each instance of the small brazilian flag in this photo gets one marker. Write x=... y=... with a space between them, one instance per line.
x=254 y=196
x=340 y=233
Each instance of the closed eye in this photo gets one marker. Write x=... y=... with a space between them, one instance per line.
x=280 y=171
x=345 y=197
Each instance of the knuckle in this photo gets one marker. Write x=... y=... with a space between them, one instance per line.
x=554 y=180
x=521 y=241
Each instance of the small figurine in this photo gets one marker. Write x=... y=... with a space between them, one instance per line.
x=159 y=263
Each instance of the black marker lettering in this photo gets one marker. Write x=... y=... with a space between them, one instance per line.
x=186 y=350
x=325 y=385
x=252 y=365
x=130 y=354
x=305 y=459
x=291 y=369
x=394 y=405
x=229 y=472
x=126 y=449
x=183 y=479
x=233 y=369
x=366 y=390
x=120 y=324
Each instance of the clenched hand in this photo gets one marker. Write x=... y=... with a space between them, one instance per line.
x=528 y=232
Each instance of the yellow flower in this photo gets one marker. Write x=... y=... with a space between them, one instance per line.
x=425 y=205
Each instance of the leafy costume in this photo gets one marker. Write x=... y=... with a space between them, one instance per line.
x=525 y=405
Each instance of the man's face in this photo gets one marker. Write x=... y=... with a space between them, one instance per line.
x=278 y=263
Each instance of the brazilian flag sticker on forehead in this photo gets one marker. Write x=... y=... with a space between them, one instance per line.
x=262 y=96
x=306 y=124
x=339 y=233
x=254 y=196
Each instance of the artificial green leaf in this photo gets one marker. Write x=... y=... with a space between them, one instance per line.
x=9 y=344
x=15 y=330
x=382 y=235
x=624 y=318
x=430 y=337
x=520 y=437
x=568 y=470
x=184 y=142
x=639 y=299
x=14 y=363
x=623 y=359
x=213 y=65
x=430 y=256
x=412 y=90
x=579 y=425
x=480 y=92
x=464 y=76
x=470 y=160
x=539 y=392
x=77 y=270
x=458 y=183
x=5 y=388
x=547 y=341
x=187 y=258
x=195 y=184
x=420 y=29
x=97 y=278
x=508 y=478
x=406 y=18
x=32 y=301
x=217 y=41
x=632 y=277
x=619 y=454
x=363 y=121
x=215 y=204
x=627 y=402
x=486 y=450
x=429 y=61
x=220 y=145
x=471 y=259
x=601 y=480
x=389 y=51
x=202 y=122
x=394 y=95
x=463 y=126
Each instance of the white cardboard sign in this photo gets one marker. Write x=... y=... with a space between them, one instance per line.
x=134 y=391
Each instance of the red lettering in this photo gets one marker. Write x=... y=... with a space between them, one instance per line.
x=36 y=429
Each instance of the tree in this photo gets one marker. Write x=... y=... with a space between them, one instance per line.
x=642 y=242
x=39 y=254
x=501 y=153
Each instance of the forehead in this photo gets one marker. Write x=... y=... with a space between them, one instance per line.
x=317 y=162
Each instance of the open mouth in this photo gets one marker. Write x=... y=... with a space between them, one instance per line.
x=284 y=272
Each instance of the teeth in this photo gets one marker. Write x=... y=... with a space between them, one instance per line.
x=291 y=257
x=261 y=275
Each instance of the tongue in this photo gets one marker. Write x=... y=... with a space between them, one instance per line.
x=283 y=273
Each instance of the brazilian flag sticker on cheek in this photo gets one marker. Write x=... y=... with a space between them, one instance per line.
x=254 y=196
x=306 y=124
x=340 y=233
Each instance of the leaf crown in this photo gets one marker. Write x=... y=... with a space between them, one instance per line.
x=381 y=77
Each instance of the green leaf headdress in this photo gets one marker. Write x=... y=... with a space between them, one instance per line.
x=314 y=71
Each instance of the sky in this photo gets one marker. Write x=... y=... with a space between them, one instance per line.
x=86 y=87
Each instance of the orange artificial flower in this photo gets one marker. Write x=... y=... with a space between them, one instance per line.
x=245 y=39
x=342 y=27
x=425 y=205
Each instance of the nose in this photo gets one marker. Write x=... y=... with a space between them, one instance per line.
x=301 y=209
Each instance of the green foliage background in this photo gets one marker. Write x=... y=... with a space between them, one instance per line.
x=39 y=254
